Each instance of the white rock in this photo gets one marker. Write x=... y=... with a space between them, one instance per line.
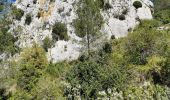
x=37 y=31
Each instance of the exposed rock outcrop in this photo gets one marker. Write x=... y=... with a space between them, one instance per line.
x=119 y=20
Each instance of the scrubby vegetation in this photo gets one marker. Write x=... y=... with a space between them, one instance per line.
x=137 y=4
x=6 y=39
x=122 y=17
x=17 y=13
x=1 y=7
x=28 y=19
x=135 y=67
x=90 y=20
x=59 y=32
x=47 y=43
x=162 y=12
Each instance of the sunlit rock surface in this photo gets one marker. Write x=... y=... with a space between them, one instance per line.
x=40 y=28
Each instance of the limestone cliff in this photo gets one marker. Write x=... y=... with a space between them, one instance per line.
x=45 y=13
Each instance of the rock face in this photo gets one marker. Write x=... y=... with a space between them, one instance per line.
x=120 y=18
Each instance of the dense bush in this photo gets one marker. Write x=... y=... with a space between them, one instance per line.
x=17 y=13
x=47 y=43
x=7 y=40
x=100 y=3
x=163 y=16
x=28 y=19
x=29 y=79
x=122 y=17
x=161 y=9
x=59 y=32
x=138 y=43
x=161 y=5
x=134 y=67
x=93 y=76
x=32 y=64
x=58 y=69
x=137 y=4
x=107 y=6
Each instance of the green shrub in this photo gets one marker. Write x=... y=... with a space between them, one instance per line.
x=90 y=19
x=7 y=40
x=107 y=6
x=165 y=73
x=93 y=77
x=33 y=63
x=161 y=5
x=79 y=27
x=58 y=69
x=122 y=17
x=48 y=89
x=17 y=13
x=113 y=37
x=107 y=47
x=137 y=4
x=142 y=42
x=1 y=7
x=47 y=43
x=59 y=32
x=100 y=3
x=29 y=77
x=28 y=19
x=163 y=16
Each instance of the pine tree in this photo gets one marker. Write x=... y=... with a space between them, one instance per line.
x=89 y=22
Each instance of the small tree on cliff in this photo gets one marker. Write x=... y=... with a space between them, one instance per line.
x=89 y=22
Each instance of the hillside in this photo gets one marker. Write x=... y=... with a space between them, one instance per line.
x=36 y=20
x=85 y=50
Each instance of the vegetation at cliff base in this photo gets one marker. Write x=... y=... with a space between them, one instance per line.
x=162 y=11
x=134 y=67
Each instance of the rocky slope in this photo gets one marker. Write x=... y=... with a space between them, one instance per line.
x=45 y=13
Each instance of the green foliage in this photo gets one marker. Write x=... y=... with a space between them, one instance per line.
x=35 y=56
x=163 y=16
x=32 y=64
x=59 y=32
x=107 y=47
x=137 y=4
x=28 y=19
x=17 y=13
x=90 y=20
x=29 y=77
x=162 y=11
x=49 y=89
x=47 y=43
x=1 y=7
x=161 y=5
x=165 y=72
x=147 y=92
x=135 y=67
x=58 y=69
x=94 y=76
x=7 y=43
x=100 y=3
x=7 y=40
x=142 y=42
